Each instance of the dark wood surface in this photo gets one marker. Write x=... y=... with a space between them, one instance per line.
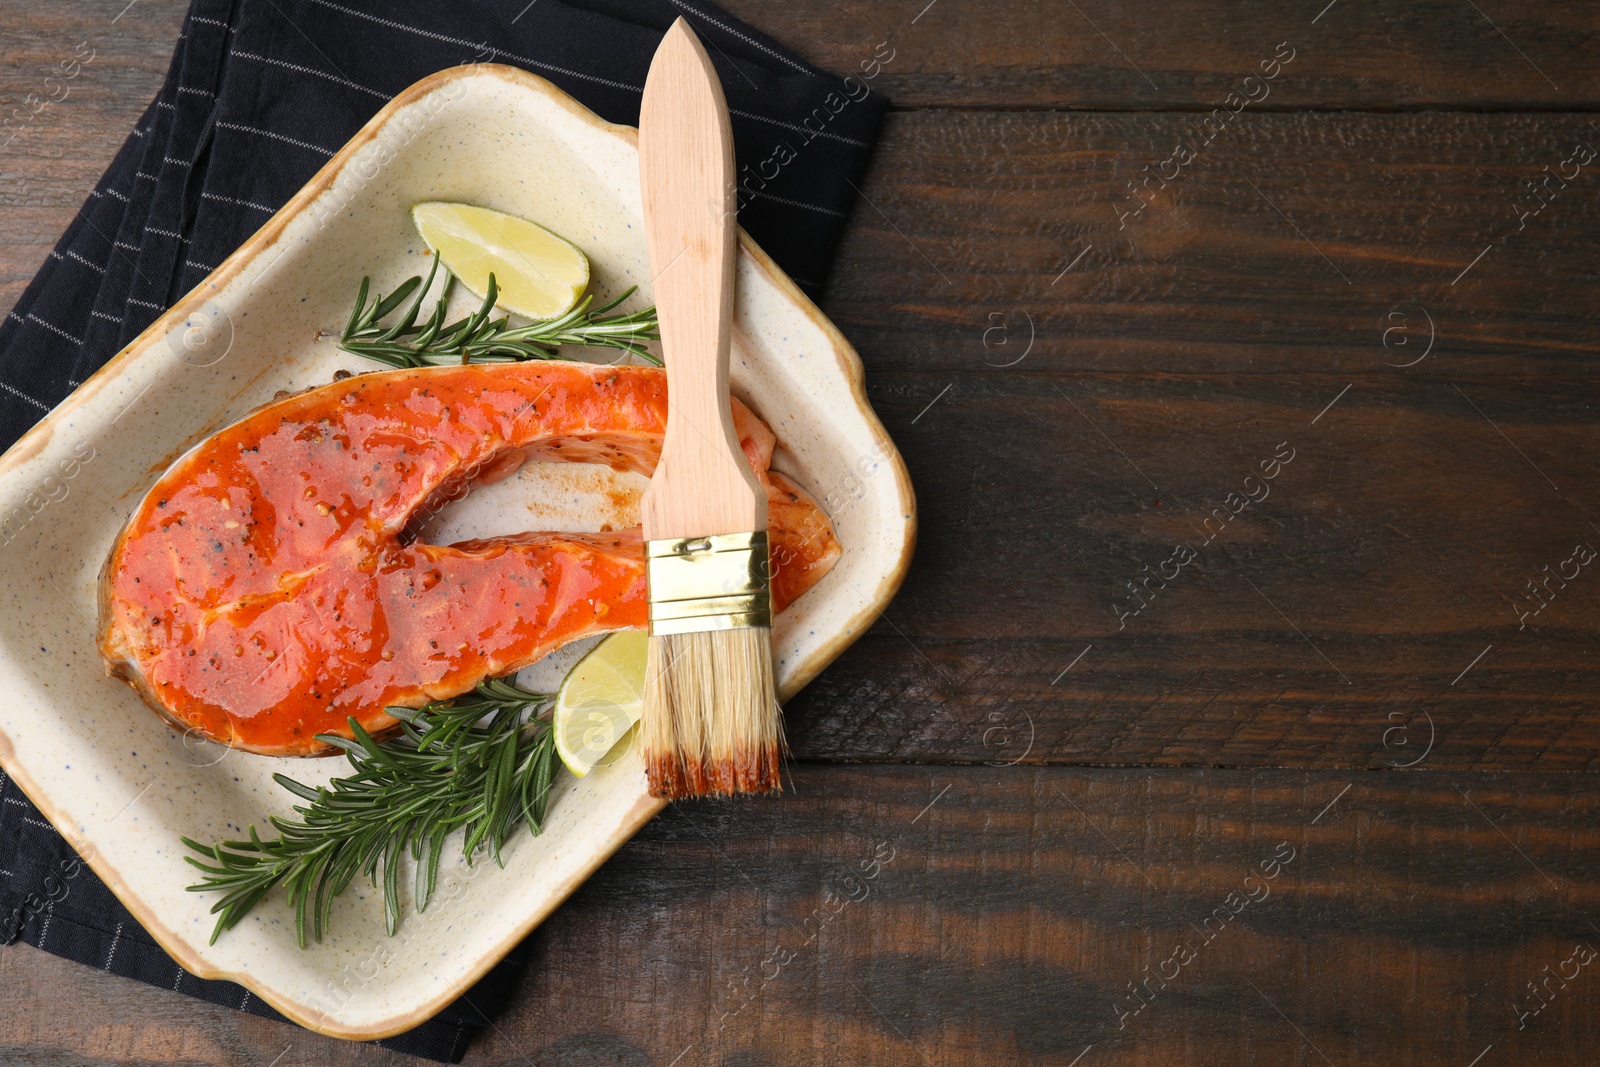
x=1186 y=54
x=1340 y=667
x=1181 y=351
x=1006 y=912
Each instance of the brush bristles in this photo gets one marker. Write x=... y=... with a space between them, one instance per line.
x=711 y=722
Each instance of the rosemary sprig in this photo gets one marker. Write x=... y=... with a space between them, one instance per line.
x=478 y=763
x=477 y=338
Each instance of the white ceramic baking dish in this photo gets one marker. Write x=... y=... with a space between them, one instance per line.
x=122 y=786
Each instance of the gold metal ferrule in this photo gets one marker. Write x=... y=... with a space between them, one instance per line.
x=720 y=582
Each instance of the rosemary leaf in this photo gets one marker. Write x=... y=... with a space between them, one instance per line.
x=478 y=338
x=481 y=763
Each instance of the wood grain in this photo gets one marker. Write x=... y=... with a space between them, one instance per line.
x=1006 y=913
x=47 y=170
x=1365 y=607
x=1100 y=55
x=1336 y=617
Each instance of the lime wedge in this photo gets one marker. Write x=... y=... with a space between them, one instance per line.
x=600 y=701
x=538 y=274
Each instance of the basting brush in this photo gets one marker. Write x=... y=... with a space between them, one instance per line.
x=711 y=722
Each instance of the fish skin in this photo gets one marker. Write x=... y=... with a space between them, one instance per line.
x=264 y=591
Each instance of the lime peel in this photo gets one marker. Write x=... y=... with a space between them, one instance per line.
x=600 y=701
x=538 y=273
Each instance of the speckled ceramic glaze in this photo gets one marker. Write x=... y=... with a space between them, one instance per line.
x=122 y=786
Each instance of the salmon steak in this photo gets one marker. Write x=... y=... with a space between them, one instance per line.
x=269 y=587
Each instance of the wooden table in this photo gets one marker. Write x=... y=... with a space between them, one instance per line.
x=1240 y=705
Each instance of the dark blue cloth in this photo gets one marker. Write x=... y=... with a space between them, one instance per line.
x=260 y=94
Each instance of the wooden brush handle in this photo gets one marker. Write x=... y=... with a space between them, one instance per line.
x=703 y=485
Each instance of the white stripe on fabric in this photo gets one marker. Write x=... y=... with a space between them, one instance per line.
x=274 y=136
x=146 y=304
x=798 y=129
x=297 y=68
x=116 y=939
x=198 y=266
x=164 y=233
x=29 y=399
x=746 y=38
x=231 y=200
x=475 y=44
x=53 y=329
x=796 y=203
x=109 y=318
x=97 y=269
